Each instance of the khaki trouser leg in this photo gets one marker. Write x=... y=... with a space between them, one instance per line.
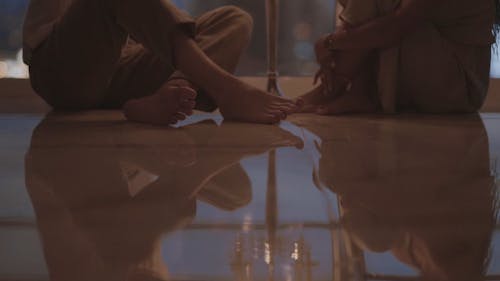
x=73 y=67
x=87 y=63
x=223 y=34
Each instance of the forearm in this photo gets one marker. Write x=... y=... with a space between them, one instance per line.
x=382 y=32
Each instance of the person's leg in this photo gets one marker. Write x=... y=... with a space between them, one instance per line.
x=357 y=65
x=140 y=75
x=73 y=67
x=437 y=76
x=141 y=20
x=222 y=35
x=163 y=30
x=70 y=70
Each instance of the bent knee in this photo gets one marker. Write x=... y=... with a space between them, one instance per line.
x=240 y=20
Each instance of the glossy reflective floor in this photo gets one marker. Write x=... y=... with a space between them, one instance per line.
x=87 y=196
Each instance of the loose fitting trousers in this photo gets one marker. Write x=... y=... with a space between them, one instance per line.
x=105 y=52
x=426 y=72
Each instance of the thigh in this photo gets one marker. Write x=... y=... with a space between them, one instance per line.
x=432 y=78
x=139 y=73
x=74 y=65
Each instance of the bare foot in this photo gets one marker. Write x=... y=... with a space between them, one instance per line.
x=362 y=98
x=348 y=103
x=313 y=99
x=169 y=105
x=242 y=102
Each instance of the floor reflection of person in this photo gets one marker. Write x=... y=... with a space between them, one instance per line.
x=396 y=55
x=421 y=190
x=105 y=193
x=148 y=57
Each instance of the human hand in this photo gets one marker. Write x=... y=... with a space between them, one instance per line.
x=334 y=83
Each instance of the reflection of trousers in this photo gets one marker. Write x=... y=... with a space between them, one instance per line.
x=90 y=61
x=426 y=72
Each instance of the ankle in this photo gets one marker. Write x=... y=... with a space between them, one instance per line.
x=225 y=86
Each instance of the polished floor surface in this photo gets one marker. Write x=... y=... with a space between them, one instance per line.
x=88 y=196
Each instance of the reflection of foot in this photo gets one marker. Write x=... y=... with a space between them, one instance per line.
x=313 y=99
x=257 y=139
x=229 y=190
x=226 y=146
x=169 y=105
x=248 y=104
x=168 y=147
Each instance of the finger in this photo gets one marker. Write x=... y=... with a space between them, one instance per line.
x=330 y=80
x=317 y=77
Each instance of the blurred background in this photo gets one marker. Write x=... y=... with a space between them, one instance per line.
x=301 y=22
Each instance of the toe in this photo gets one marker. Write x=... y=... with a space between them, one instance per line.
x=179 y=116
x=184 y=93
x=277 y=116
x=291 y=109
x=329 y=109
x=186 y=111
x=309 y=108
x=267 y=119
x=188 y=104
x=188 y=93
x=281 y=114
x=300 y=102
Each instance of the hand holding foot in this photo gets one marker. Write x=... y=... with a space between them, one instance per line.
x=313 y=99
x=360 y=99
x=167 y=106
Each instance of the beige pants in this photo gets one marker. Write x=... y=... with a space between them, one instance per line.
x=426 y=72
x=90 y=61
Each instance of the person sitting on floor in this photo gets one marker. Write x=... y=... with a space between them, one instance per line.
x=147 y=57
x=405 y=55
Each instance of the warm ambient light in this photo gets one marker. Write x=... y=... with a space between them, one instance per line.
x=495 y=59
x=3 y=69
x=14 y=68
